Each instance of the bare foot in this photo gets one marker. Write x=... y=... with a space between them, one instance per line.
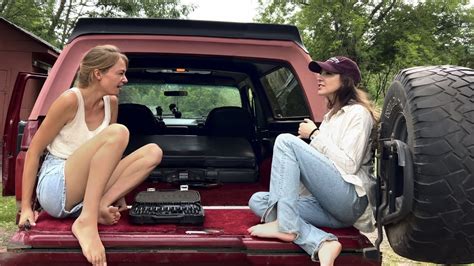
x=109 y=215
x=270 y=230
x=328 y=252
x=90 y=242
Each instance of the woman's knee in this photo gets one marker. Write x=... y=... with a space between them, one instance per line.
x=153 y=154
x=258 y=201
x=117 y=134
x=284 y=140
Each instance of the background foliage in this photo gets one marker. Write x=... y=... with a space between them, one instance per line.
x=198 y=102
x=383 y=36
x=53 y=20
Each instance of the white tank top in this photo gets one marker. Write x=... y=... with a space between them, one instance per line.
x=76 y=132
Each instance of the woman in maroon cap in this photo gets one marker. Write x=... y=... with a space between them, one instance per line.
x=323 y=184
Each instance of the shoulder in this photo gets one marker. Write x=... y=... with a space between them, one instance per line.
x=358 y=112
x=64 y=108
x=66 y=101
x=113 y=108
x=113 y=100
x=356 y=109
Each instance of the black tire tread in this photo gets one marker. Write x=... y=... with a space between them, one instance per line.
x=440 y=228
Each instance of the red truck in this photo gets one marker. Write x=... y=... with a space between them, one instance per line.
x=189 y=82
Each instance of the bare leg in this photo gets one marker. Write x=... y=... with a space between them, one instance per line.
x=328 y=252
x=87 y=172
x=130 y=172
x=270 y=230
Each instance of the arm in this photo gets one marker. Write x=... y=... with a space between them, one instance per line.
x=349 y=152
x=61 y=112
x=307 y=128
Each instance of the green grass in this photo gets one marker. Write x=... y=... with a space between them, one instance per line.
x=7 y=213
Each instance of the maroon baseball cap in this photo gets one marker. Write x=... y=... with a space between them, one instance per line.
x=337 y=65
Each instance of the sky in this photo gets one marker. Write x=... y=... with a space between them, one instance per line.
x=223 y=10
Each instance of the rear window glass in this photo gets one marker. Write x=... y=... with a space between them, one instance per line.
x=285 y=94
x=193 y=101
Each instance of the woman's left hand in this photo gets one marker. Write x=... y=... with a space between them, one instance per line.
x=305 y=128
x=121 y=204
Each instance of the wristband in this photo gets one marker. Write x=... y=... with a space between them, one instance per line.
x=312 y=132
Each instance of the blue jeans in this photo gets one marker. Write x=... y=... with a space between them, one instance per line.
x=51 y=188
x=333 y=202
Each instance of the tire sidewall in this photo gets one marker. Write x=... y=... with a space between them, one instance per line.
x=397 y=123
x=430 y=110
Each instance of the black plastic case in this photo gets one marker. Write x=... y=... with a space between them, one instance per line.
x=167 y=207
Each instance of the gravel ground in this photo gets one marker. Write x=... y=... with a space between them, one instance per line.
x=5 y=236
x=389 y=257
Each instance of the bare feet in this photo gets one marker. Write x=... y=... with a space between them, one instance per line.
x=328 y=252
x=91 y=245
x=270 y=230
x=109 y=215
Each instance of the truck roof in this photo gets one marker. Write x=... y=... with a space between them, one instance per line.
x=146 y=26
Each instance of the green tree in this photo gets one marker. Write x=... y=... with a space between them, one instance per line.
x=26 y=14
x=53 y=20
x=430 y=33
x=198 y=102
x=383 y=36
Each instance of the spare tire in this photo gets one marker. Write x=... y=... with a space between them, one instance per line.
x=431 y=109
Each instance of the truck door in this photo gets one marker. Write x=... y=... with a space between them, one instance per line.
x=12 y=129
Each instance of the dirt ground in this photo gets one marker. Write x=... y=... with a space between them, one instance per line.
x=389 y=257
x=4 y=238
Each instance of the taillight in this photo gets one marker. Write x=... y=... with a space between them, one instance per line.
x=30 y=130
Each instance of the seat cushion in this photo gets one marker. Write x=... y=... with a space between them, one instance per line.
x=199 y=151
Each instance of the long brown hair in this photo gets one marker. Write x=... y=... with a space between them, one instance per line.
x=347 y=94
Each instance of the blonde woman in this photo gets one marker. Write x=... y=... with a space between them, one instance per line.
x=322 y=184
x=83 y=173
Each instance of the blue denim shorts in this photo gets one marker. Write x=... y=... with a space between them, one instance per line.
x=51 y=188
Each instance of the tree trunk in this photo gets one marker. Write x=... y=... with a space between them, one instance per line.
x=56 y=17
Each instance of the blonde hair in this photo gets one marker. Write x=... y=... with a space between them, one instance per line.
x=102 y=58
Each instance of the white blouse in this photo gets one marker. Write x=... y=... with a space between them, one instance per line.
x=344 y=139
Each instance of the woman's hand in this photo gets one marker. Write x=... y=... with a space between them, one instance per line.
x=121 y=204
x=306 y=128
x=28 y=218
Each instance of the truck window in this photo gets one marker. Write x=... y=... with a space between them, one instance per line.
x=193 y=101
x=284 y=93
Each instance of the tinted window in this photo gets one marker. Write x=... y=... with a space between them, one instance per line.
x=193 y=101
x=285 y=94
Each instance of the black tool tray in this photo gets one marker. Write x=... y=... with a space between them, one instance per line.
x=167 y=206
